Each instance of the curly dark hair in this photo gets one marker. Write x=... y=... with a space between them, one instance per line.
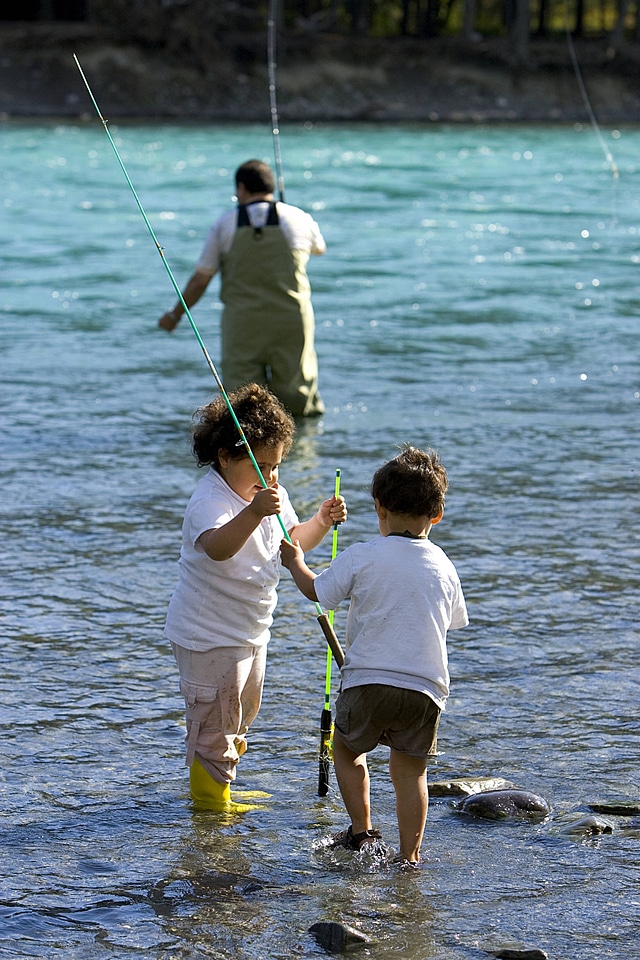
x=263 y=419
x=414 y=483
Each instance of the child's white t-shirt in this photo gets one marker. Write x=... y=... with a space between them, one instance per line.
x=225 y=603
x=405 y=595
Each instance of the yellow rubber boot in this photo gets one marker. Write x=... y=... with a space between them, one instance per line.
x=209 y=794
x=206 y=792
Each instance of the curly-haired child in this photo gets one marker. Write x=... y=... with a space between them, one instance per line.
x=222 y=607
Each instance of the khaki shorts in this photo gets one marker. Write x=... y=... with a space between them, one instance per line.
x=405 y=720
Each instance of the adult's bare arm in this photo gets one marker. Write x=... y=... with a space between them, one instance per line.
x=196 y=286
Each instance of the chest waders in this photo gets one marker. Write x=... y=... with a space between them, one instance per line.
x=267 y=322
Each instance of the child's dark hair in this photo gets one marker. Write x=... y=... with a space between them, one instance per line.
x=414 y=483
x=263 y=419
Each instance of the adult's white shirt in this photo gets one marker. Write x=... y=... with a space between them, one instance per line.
x=225 y=603
x=299 y=228
x=405 y=595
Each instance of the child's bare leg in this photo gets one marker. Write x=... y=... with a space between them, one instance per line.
x=409 y=778
x=352 y=775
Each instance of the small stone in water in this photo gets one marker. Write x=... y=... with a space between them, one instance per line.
x=467 y=786
x=620 y=809
x=336 y=937
x=513 y=953
x=588 y=826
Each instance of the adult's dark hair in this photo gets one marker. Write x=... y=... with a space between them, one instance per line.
x=263 y=419
x=414 y=483
x=256 y=176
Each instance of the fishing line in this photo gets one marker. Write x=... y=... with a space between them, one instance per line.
x=177 y=288
x=271 y=70
x=326 y=726
x=323 y=619
x=583 y=91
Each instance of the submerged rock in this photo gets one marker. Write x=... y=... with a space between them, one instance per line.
x=587 y=827
x=467 y=786
x=337 y=937
x=515 y=953
x=210 y=885
x=506 y=805
x=614 y=808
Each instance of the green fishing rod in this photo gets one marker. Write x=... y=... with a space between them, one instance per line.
x=326 y=725
x=323 y=619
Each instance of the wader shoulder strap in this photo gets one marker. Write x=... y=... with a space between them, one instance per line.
x=243 y=219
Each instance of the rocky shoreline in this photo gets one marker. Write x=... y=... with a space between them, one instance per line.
x=319 y=78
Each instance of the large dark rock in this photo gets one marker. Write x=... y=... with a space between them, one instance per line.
x=506 y=805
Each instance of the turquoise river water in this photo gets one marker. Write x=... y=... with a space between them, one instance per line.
x=480 y=294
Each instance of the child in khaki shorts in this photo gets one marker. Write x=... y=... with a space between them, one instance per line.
x=405 y=595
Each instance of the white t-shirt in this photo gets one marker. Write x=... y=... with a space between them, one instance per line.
x=225 y=603
x=405 y=595
x=299 y=228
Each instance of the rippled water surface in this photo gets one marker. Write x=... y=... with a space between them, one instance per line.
x=480 y=294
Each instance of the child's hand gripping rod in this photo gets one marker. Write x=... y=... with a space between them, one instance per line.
x=323 y=619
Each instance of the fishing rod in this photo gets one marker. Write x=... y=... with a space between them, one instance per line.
x=326 y=726
x=323 y=619
x=271 y=70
